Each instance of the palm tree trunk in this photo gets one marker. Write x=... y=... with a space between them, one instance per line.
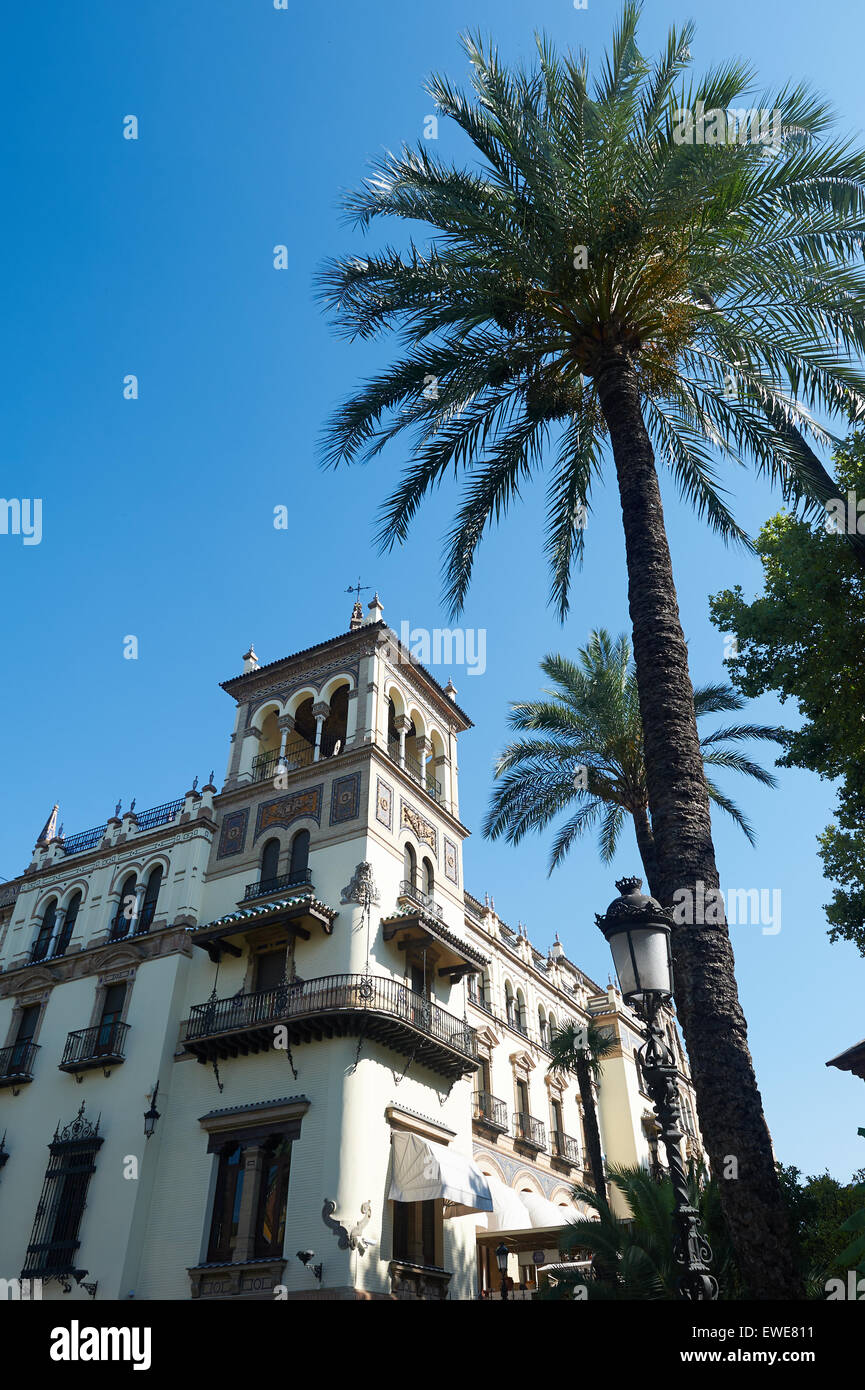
x=728 y=1099
x=646 y=846
x=590 y=1126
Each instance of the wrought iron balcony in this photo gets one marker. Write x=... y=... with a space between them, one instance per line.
x=16 y=1063
x=102 y=1046
x=408 y=891
x=122 y=926
x=567 y=1149
x=411 y=765
x=377 y=1007
x=490 y=1112
x=529 y=1131
x=301 y=878
x=83 y=840
x=298 y=752
x=159 y=815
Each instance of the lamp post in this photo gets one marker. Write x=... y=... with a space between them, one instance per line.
x=502 y=1253
x=638 y=932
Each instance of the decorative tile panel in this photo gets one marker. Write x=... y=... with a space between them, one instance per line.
x=345 y=798
x=283 y=810
x=451 y=861
x=232 y=837
x=384 y=803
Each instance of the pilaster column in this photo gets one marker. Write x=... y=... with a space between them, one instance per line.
x=140 y=889
x=285 y=724
x=403 y=724
x=319 y=713
x=55 y=933
x=424 y=748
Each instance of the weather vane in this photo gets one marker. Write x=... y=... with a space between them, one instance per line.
x=357 y=588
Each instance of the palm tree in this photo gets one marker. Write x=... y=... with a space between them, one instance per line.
x=590 y=755
x=597 y=287
x=581 y=1049
x=634 y=1259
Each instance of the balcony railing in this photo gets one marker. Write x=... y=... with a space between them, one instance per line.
x=411 y=765
x=122 y=926
x=266 y=886
x=416 y=895
x=299 y=752
x=159 y=815
x=528 y=1130
x=83 y=840
x=101 y=1046
x=334 y=1005
x=16 y=1063
x=566 y=1148
x=490 y=1111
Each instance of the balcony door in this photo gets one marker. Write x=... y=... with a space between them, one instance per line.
x=112 y=1008
x=23 y=1038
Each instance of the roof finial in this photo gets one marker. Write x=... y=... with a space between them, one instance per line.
x=49 y=830
x=250 y=660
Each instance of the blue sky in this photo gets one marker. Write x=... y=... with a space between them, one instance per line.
x=154 y=257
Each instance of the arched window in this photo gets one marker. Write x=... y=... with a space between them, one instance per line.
x=46 y=930
x=299 y=866
x=552 y=1025
x=543 y=1027
x=520 y=1019
x=510 y=1004
x=151 y=893
x=68 y=925
x=125 y=909
x=269 y=865
x=429 y=877
x=410 y=866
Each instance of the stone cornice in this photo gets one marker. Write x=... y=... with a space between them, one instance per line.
x=95 y=960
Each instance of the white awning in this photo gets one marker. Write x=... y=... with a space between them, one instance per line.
x=545 y=1214
x=423 y=1171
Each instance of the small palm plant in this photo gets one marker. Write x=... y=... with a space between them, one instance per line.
x=633 y=1259
x=581 y=1049
x=588 y=756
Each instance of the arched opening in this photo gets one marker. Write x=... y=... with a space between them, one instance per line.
x=68 y=927
x=436 y=770
x=543 y=1026
x=333 y=731
x=269 y=866
x=520 y=1023
x=125 y=909
x=299 y=866
x=304 y=723
x=510 y=1004
x=552 y=1025
x=151 y=893
x=429 y=878
x=46 y=931
x=409 y=868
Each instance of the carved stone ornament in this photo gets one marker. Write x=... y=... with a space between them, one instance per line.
x=353 y=1238
x=362 y=888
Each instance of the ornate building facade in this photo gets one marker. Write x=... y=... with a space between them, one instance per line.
x=260 y=1042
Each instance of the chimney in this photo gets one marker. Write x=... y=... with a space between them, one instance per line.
x=451 y=691
x=376 y=612
x=250 y=660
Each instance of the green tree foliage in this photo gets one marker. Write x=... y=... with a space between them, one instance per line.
x=804 y=638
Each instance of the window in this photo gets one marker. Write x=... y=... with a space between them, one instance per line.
x=299 y=866
x=270 y=970
x=125 y=909
x=558 y=1123
x=68 y=925
x=112 y=1008
x=46 y=931
x=273 y=1198
x=270 y=862
x=473 y=988
x=543 y=1028
x=510 y=1003
x=429 y=881
x=410 y=866
x=54 y=1239
x=20 y=1056
x=250 y=1225
x=415 y=1231
x=151 y=893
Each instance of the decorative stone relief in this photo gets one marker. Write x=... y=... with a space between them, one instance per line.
x=362 y=888
x=286 y=809
x=411 y=819
x=451 y=861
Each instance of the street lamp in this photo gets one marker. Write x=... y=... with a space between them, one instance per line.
x=151 y=1115
x=638 y=931
x=502 y=1253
